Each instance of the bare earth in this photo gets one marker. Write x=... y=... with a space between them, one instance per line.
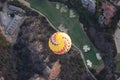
x=117 y=40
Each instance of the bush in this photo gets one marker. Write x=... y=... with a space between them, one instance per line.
x=1 y=8
x=3 y=1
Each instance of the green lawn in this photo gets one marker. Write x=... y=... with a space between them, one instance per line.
x=118 y=63
x=76 y=33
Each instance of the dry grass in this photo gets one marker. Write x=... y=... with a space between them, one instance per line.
x=55 y=71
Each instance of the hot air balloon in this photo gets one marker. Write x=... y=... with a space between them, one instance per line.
x=60 y=43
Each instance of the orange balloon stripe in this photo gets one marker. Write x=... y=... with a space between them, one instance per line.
x=54 y=36
x=62 y=50
x=53 y=39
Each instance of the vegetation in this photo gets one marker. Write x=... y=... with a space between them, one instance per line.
x=71 y=64
x=6 y=59
x=1 y=8
x=12 y=15
x=29 y=12
x=118 y=63
x=3 y=42
x=3 y=1
x=76 y=32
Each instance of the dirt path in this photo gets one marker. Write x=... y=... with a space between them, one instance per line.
x=117 y=40
x=25 y=3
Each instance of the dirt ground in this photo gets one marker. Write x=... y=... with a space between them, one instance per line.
x=117 y=40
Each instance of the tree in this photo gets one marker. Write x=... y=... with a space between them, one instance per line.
x=1 y=8
x=3 y=1
x=12 y=14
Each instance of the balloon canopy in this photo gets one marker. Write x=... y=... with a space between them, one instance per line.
x=60 y=43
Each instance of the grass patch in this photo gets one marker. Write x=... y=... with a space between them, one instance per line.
x=3 y=42
x=76 y=32
x=118 y=63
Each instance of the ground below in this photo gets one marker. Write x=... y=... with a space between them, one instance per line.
x=34 y=57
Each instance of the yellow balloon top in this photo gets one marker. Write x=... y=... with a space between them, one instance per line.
x=60 y=43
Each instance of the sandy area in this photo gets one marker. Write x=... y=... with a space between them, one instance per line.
x=117 y=40
x=25 y=3
x=8 y=38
